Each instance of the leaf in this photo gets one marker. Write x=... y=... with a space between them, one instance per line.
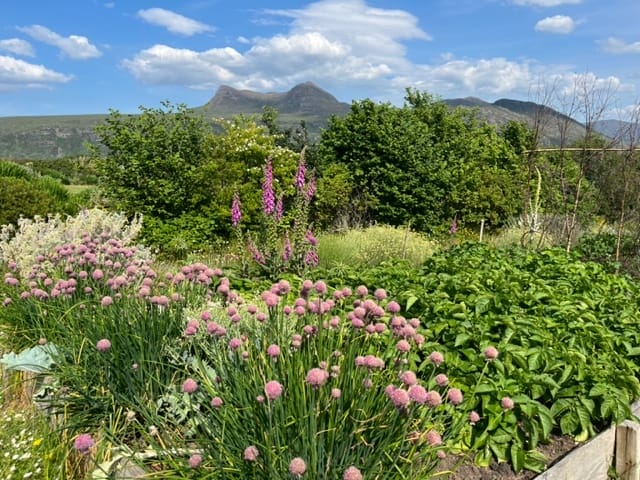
x=485 y=388
x=517 y=457
x=462 y=339
x=583 y=436
x=35 y=359
x=569 y=423
x=482 y=305
x=410 y=301
x=483 y=457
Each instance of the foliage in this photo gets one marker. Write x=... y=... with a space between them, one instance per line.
x=423 y=164
x=566 y=332
x=22 y=198
x=373 y=245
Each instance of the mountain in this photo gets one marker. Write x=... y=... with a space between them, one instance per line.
x=504 y=110
x=626 y=132
x=43 y=138
x=305 y=101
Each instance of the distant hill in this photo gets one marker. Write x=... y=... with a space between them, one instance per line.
x=625 y=132
x=305 y=101
x=41 y=138
x=504 y=110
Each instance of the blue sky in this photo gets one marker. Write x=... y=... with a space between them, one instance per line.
x=87 y=56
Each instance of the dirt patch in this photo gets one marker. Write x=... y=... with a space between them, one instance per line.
x=465 y=469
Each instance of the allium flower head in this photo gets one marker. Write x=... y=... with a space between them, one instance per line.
x=434 y=438
x=418 y=394
x=195 y=460
x=103 y=345
x=400 y=397
x=507 y=403
x=436 y=358
x=474 y=417
x=216 y=402
x=189 y=385
x=83 y=442
x=352 y=473
x=251 y=453
x=316 y=377
x=455 y=396
x=433 y=398
x=336 y=393
x=273 y=389
x=393 y=307
x=403 y=346
x=106 y=301
x=490 y=353
x=442 y=380
x=408 y=378
x=273 y=351
x=297 y=467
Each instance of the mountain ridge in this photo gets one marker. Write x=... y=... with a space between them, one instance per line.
x=50 y=137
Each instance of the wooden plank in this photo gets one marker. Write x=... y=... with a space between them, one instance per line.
x=590 y=461
x=628 y=450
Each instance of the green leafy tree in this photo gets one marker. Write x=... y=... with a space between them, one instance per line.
x=152 y=159
x=423 y=164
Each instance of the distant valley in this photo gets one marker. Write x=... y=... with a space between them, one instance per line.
x=49 y=137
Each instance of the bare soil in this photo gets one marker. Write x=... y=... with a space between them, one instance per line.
x=465 y=469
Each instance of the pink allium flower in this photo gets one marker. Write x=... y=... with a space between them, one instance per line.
x=106 y=301
x=261 y=317
x=418 y=394
x=260 y=399
x=408 y=378
x=251 y=453
x=380 y=294
x=273 y=389
x=436 y=358
x=271 y=299
x=367 y=383
x=297 y=467
x=490 y=353
x=442 y=380
x=403 y=346
x=189 y=385
x=507 y=403
x=433 y=398
x=83 y=442
x=216 y=402
x=389 y=389
x=393 y=307
x=235 y=343
x=352 y=473
x=97 y=274
x=400 y=398
x=316 y=377
x=474 y=417
x=320 y=287
x=373 y=362
x=103 y=345
x=335 y=393
x=273 y=351
x=433 y=438
x=441 y=454
x=455 y=396
x=195 y=460
x=362 y=291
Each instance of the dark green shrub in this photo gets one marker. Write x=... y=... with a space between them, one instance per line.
x=20 y=197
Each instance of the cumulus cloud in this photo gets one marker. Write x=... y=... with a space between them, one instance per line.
x=17 y=46
x=557 y=24
x=546 y=3
x=17 y=74
x=343 y=41
x=618 y=46
x=75 y=47
x=174 y=22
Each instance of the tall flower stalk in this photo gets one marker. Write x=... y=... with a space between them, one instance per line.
x=285 y=242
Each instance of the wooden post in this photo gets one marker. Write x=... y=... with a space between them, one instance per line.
x=481 y=229
x=628 y=451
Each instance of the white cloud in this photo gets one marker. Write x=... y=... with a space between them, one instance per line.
x=174 y=22
x=617 y=46
x=75 y=47
x=17 y=74
x=17 y=46
x=557 y=24
x=546 y=3
x=335 y=41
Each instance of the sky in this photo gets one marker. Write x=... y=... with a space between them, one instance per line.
x=89 y=56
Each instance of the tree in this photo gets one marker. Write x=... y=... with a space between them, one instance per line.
x=423 y=164
x=152 y=159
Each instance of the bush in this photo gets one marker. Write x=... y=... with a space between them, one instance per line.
x=23 y=198
x=374 y=245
